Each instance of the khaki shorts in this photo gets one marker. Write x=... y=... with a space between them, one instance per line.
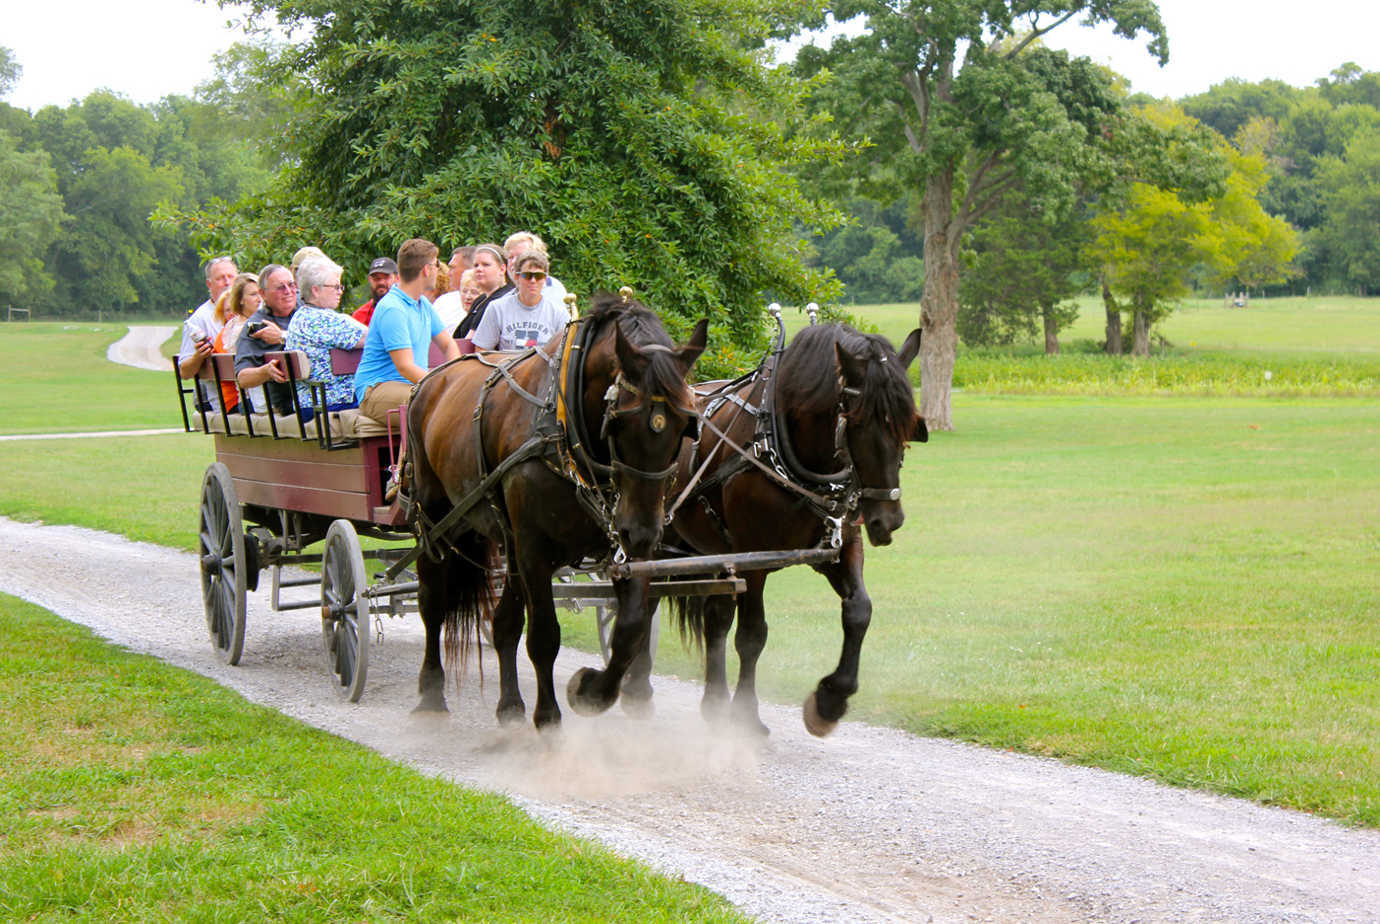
x=384 y=397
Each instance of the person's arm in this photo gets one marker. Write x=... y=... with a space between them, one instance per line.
x=486 y=333
x=446 y=344
x=258 y=375
x=192 y=363
x=407 y=367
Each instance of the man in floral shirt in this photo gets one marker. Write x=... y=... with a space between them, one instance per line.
x=316 y=327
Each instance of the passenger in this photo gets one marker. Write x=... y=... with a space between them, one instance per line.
x=317 y=326
x=200 y=329
x=469 y=289
x=397 y=350
x=527 y=317
x=461 y=259
x=518 y=244
x=383 y=272
x=442 y=284
x=302 y=255
x=251 y=368
x=491 y=276
x=234 y=310
x=450 y=304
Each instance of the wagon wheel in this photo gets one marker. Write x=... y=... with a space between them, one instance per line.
x=345 y=609
x=223 y=565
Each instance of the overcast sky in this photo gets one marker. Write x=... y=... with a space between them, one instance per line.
x=146 y=49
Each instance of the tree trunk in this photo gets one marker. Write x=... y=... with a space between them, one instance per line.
x=1141 y=345
x=1051 y=331
x=939 y=304
x=1113 y=346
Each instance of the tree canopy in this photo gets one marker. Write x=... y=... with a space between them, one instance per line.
x=961 y=105
x=642 y=142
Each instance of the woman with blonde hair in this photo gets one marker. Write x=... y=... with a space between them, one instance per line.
x=234 y=309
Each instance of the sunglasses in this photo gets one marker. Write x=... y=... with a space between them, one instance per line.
x=532 y=275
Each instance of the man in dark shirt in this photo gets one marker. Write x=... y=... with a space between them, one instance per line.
x=251 y=370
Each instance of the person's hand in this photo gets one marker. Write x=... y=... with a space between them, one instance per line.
x=205 y=347
x=276 y=372
x=271 y=334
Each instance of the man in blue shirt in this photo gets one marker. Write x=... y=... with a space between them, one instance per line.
x=401 y=332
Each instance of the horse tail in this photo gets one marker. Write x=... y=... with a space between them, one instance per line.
x=457 y=589
x=688 y=612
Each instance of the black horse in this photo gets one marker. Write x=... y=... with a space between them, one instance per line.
x=499 y=444
x=798 y=456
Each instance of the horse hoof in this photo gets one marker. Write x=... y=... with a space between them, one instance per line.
x=577 y=693
x=510 y=714
x=431 y=705
x=714 y=709
x=815 y=723
x=637 y=707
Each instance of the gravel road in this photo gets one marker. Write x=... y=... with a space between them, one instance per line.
x=867 y=825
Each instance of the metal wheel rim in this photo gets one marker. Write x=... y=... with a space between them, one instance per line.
x=345 y=610
x=220 y=541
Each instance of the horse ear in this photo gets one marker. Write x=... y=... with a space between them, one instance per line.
x=854 y=369
x=909 y=349
x=699 y=339
x=920 y=433
x=630 y=358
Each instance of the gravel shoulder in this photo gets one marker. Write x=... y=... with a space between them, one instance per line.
x=869 y=824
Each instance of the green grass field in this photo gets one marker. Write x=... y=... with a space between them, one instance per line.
x=132 y=791
x=1176 y=586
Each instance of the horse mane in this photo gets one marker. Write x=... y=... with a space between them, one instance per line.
x=641 y=327
x=807 y=378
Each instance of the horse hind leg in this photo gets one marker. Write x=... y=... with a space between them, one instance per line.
x=451 y=595
x=749 y=641
x=432 y=597
x=716 y=614
x=507 y=630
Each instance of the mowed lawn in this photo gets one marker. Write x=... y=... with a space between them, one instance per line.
x=1178 y=587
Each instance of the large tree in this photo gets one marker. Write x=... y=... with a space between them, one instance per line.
x=639 y=139
x=959 y=107
x=1350 y=186
x=1199 y=211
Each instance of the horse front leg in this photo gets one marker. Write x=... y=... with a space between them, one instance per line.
x=592 y=691
x=826 y=705
x=636 y=695
x=507 y=630
x=749 y=641
x=543 y=636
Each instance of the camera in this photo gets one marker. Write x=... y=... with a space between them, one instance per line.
x=198 y=336
x=253 y=327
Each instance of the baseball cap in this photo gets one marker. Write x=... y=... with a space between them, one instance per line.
x=382 y=265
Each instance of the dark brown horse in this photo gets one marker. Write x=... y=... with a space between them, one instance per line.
x=555 y=455
x=831 y=422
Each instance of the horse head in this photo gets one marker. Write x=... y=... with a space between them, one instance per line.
x=880 y=419
x=635 y=384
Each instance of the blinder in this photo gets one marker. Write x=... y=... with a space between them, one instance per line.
x=657 y=421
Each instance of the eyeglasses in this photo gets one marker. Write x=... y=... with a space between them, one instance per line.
x=285 y=287
x=532 y=275
x=334 y=285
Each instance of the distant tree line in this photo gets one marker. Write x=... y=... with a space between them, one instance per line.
x=942 y=152
x=82 y=181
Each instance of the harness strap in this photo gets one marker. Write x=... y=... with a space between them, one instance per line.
x=430 y=532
